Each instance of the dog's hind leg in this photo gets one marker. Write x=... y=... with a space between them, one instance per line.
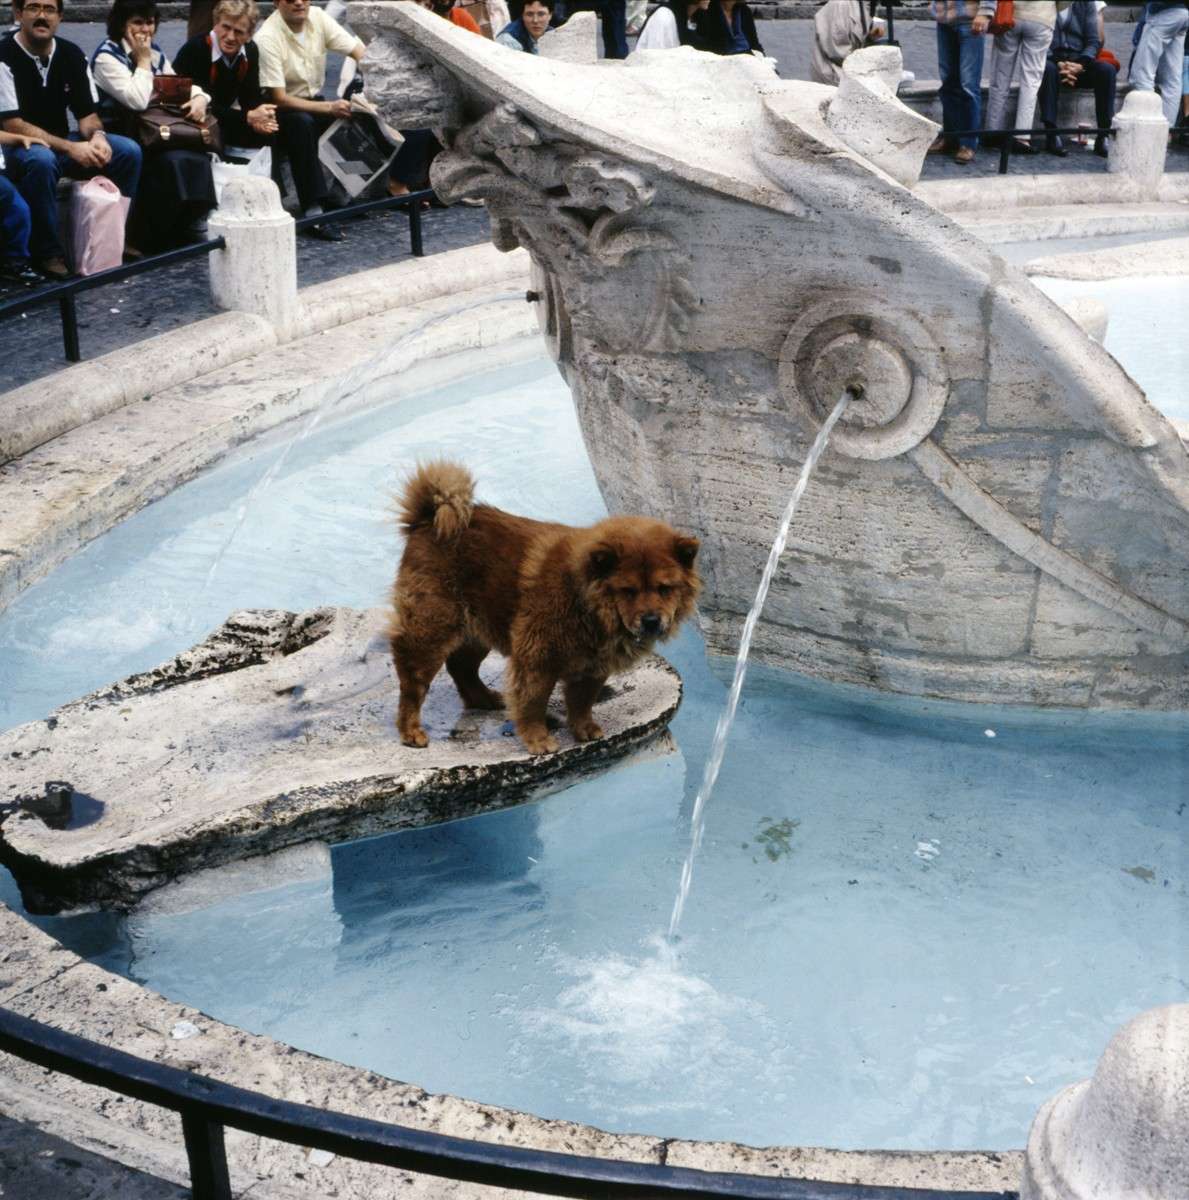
x=417 y=661
x=463 y=666
x=580 y=693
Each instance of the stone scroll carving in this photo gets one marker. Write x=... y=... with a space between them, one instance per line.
x=584 y=216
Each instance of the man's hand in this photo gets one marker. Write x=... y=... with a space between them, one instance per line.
x=100 y=147
x=263 y=119
x=980 y=24
x=339 y=108
x=195 y=108
x=1069 y=72
x=88 y=155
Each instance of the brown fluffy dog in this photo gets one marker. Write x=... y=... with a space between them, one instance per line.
x=560 y=603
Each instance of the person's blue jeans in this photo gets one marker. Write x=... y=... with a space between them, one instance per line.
x=960 y=63
x=14 y=221
x=36 y=172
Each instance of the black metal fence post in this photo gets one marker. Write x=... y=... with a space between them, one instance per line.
x=209 y=1179
x=70 y=347
x=415 y=229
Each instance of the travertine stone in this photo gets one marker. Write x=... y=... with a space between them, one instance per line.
x=1125 y=1132
x=575 y=42
x=276 y=730
x=1141 y=144
x=868 y=117
x=719 y=253
x=394 y=67
x=257 y=271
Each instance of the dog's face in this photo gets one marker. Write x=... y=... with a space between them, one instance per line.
x=642 y=577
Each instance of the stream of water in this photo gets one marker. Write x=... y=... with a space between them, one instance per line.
x=723 y=730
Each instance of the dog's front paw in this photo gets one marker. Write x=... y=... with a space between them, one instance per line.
x=417 y=738
x=538 y=741
x=586 y=729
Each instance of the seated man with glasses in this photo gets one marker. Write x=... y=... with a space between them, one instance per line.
x=42 y=77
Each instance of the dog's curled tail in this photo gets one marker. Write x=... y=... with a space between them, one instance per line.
x=439 y=494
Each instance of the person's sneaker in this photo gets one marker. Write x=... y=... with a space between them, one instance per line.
x=18 y=271
x=55 y=269
x=964 y=156
x=939 y=146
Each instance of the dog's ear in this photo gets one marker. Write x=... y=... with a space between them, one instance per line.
x=601 y=561
x=685 y=550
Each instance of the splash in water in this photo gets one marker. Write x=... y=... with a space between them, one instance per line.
x=727 y=716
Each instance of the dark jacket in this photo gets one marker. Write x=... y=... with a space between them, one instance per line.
x=225 y=85
x=716 y=34
x=1077 y=38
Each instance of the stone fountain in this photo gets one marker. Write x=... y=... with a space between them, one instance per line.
x=718 y=253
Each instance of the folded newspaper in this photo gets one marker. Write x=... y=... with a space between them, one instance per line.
x=357 y=152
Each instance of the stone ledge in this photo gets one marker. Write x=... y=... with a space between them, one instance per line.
x=275 y=731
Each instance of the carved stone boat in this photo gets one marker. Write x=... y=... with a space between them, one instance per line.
x=718 y=254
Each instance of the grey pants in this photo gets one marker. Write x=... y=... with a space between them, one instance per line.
x=1022 y=48
x=1159 y=58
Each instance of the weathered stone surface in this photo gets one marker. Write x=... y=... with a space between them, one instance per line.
x=274 y=731
x=1169 y=256
x=1126 y=1131
x=713 y=279
x=575 y=41
x=1141 y=144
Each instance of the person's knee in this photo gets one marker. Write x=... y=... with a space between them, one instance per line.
x=40 y=163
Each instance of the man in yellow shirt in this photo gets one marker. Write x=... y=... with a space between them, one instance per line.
x=293 y=43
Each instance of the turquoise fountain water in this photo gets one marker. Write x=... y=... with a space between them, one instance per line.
x=906 y=932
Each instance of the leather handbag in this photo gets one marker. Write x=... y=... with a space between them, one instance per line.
x=1004 y=17
x=164 y=126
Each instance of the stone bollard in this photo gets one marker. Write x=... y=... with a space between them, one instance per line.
x=1142 y=142
x=1126 y=1131
x=257 y=272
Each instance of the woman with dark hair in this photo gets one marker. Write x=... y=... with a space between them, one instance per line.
x=176 y=189
x=530 y=21
x=727 y=27
x=673 y=24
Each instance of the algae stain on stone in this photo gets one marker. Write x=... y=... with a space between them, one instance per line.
x=775 y=838
x=1144 y=873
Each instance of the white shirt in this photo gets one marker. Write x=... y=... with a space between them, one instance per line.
x=133 y=89
x=298 y=65
x=659 y=32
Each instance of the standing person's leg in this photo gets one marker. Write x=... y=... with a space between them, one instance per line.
x=1145 y=61
x=36 y=172
x=1169 y=69
x=1003 y=66
x=1034 y=54
x=971 y=82
x=950 y=90
x=615 y=42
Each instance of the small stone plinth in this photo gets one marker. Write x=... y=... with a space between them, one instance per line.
x=276 y=730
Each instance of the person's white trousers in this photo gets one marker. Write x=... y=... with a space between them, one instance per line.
x=1023 y=50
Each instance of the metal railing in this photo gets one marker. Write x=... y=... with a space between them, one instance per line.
x=65 y=292
x=1008 y=136
x=207 y=1106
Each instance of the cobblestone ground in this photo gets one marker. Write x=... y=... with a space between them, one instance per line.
x=115 y=316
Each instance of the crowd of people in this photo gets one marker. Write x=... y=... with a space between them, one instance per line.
x=241 y=84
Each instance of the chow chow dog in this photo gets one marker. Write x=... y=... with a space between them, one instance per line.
x=574 y=605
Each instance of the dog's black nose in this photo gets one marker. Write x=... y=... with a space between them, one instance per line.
x=650 y=624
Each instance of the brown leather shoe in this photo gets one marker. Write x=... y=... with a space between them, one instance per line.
x=939 y=146
x=55 y=269
x=965 y=155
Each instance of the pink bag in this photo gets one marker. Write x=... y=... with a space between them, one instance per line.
x=97 y=215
